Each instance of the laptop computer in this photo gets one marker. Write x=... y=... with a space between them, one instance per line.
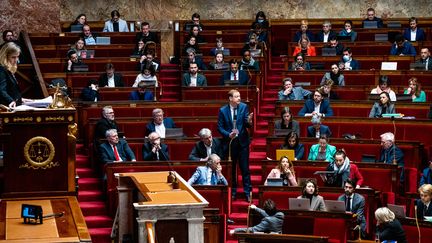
x=103 y=40
x=80 y=68
x=389 y=66
x=335 y=206
x=328 y=51
x=394 y=25
x=417 y=66
x=404 y=97
x=85 y=54
x=317 y=66
x=76 y=28
x=299 y=204
x=173 y=132
x=231 y=82
x=285 y=152
x=281 y=132
x=368 y=158
x=398 y=210
x=344 y=38
x=370 y=24
x=374 y=97
x=274 y=182
x=381 y=37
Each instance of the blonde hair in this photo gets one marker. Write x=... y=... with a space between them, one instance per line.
x=384 y=215
x=9 y=49
x=426 y=189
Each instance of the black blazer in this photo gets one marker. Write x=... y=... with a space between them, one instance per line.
x=148 y=155
x=9 y=89
x=421 y=209
x=199 y=151
x=118 y=80
x=152 y=36
x=101 y=127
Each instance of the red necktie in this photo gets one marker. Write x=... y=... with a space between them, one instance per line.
x=235 y=76
x=116 y=154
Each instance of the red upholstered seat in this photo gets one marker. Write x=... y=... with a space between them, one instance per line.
x=331 y=228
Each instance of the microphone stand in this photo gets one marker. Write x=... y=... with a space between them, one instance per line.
x=394 y=143
x=417 y=224
x=247 y=85
x=250 y=203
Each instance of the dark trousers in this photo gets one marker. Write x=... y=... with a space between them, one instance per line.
x=240 y=156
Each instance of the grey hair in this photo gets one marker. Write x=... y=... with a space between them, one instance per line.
x=212 y=158
x=156 y=111
x=388 y=136
x=204 y=132
x=384 y=215
x=105 y=110
x=110 y=132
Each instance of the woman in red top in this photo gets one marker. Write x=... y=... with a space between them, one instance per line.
x=305 y=47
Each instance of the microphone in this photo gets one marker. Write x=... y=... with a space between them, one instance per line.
x=55 y=215
x=416 y=219
x=359 y=230
x=394 y=143
x=247 y=84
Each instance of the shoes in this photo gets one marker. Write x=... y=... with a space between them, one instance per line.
x=230 y=221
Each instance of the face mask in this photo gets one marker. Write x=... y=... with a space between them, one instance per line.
x=348 y=30
x=346 y=58
x=260 y=20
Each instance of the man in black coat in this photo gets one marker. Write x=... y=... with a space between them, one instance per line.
x=105 y=123
x=110 y=78
x=154 y=149
x=207 y=146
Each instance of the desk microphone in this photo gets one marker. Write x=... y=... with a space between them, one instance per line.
x=394 y=143
x=416 y=219
x=55 y=215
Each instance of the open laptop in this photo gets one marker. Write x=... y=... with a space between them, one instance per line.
x=370 y=24
x=394 y=25
x=389 y=66
x=404 y=97
x=317 y=66
x=80 y=68
x=335 y=206
x=299 y=204
x=281 y=132
x=381 y=37
x=328 y=51
x=274 y=182
x=173 y=132
x=417 y=66
x=344 y=38
x=398 y=210
x=368 y=158
x=285 y=152
x=85 y=54
x=231 y=82
x=76 y=28
x=103 y=40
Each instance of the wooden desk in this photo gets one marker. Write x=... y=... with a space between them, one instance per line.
x=273 y=238
x=71 y=227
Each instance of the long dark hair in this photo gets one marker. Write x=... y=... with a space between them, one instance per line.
x=290 y=135
x=304 y=194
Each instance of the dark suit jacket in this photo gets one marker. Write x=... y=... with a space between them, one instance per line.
x=424 y=61
x=199 y=151
x=225 y=123
x=135 y=95
x=323 y=130
x=309 y=107
x=88 y=94
x=152 y=36
x=320 y=36
x=9 y=89
x=379 y=22
x=118 y=80
x=148 y=155
x=101 y=127
x=201 y=80
x=106 y=153
x=358 y=204
x=420 y=34
x=407 y=49
x=421 y=209
x=391 y=232
x=168 y=122
x=299 y=34
x=243 y=77
x=354 y=64
x=387 y=156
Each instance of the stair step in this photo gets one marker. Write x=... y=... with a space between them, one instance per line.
x=90 y=195
x=93 y=208
x=90 y=184
x=100 y=235
x=98 y=221
x=85 y=172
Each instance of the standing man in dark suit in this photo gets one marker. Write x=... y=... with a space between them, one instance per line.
x=110 y=78
x=154 y=149
x=115 y=149
x=159 y=123
x=193 y=78
x=233 y=121
x=354 y=203
x=317 y=106
x=105 y=123
x=235 y=74
x=425 y=58
x=207 y=146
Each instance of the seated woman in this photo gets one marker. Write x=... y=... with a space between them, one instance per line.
x=317 y=129
x=424 y=206
x=327 y=91
x=299 y=63
x=348 y=31
x=322 y=151
x=291 y=141
x=141 y=93
x=195 y=32
x=219 y=48
x=289 y=92
x=383 y=106
x=191 y=45
x=218 y=63
x=343 y=170
x=285 y=171
x=80 y=20
x=414 y=89
x=79 y=46
x=139 y=48
x=384 y=86
x=305 y=47
x=287 y=122
x=193 y=57
x=335 y=75
x=254 y=46
x=148 y=74
x=304 y=32
x=310 y=191
x=248 y=62
x=259 y=31
x=389 y=229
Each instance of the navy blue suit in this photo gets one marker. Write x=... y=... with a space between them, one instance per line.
x=239 y=145
x=407 y=49
x=106 y=152
x=199 y=151
x=426 y=177
x=421 y=212
x=323 y=130
x=309 y=107
x=148 y=154
x=88 y=94
x=242 y=78
x=420 y=34
x=168 y=123
x=299 y=34
x=320 y=36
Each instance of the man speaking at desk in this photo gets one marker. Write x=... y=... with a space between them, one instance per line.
x=233 y=121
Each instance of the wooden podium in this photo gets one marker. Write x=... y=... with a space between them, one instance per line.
x=174 y=213
x=39 y=152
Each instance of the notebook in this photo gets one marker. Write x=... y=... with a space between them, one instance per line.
x=335 y=206
x=274 y=182
x=328 y=51
x=231 y=82
x=398 y=210
x=285 y=152
x=370 y=24
x=299 y=204
x=173 y=132
x=103 y=40
x=87 y=54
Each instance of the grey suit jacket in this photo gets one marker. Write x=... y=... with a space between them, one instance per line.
x=358 y=204
x=317 y=203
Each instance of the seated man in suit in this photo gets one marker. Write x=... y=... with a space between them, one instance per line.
x=145 y=34
x=88 y=36
x=334 y=43
x=425 y=58
x=390 y=151
x=402 y=47
x=317 y=128
x=73 y=61
x=234 y=74
x=115 y=24
x=211 y=174
x=354 y=203
x=159 y=123
x=115 y=149
x=110 y=78
x=207 y=146
x=414 y=33
x=91 y=92
x=316 y=106
x=154 y=149
x=142 y=93
x=347 y=62
x=371 y=17
x=326 y=33
x=193 y=78
x=105 y=123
